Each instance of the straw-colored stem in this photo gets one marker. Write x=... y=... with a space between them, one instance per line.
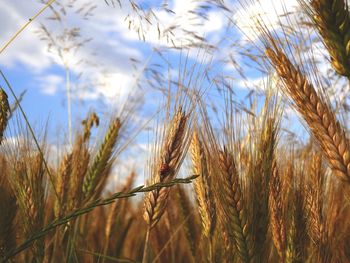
x=145 y=249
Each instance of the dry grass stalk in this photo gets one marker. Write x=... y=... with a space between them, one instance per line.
x=190 y=222
x=116 y=209
x=332 y=19
x=8 y=206
x=291 y=250
x=277 y=223
x=316 y=112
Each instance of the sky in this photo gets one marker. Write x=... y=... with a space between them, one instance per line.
x=111 y=54
x=31 y=66
x=105 y=61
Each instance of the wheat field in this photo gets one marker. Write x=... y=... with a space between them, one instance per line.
x=219 y=188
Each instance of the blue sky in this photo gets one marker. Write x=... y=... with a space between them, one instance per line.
x=115 y=54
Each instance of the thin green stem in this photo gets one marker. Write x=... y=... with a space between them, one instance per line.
x=89 y=207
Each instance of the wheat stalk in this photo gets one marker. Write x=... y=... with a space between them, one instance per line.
x=297 y=234
x=165 y=169
x=80 y=163
x=92 y=120
x=100 y=162
x=27 y=182
x=278 y=228
x=316 y=112
x=116 y=210
x=260 y=173
x=8 y=210
x=202 y=186
x=314 y=205
x=230 y=201
x=4 y=112
x=168 y=165
x=331 y=18
x=188 y=217
x=90 y=207
x=63 y=184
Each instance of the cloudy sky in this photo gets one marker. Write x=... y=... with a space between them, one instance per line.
x=105 y=61
x=113 y=38
x=112 y=52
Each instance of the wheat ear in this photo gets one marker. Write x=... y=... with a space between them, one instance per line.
x=80 y=157
x=297 y=234
x=168 y=165
x=314 y=203
x=278 y=228
x=101 y=160
x=4 y=111
x=260 y=177
x=202 y=186
x=165 y=169
x=63 y=184
x=231 y=204
x=316 y=112
x=27 y=182
x=92 y=120
x=331 y=18
x=80 y=163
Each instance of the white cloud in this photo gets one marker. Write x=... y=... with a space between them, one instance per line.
x=113 y=87
x=27 y=49
x=50 y=84
x=168 y=28
x=112 y=46
x=108 y=50
x=269 y=13
x=215 y=22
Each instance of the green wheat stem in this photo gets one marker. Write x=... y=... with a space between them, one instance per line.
x=91 y=206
